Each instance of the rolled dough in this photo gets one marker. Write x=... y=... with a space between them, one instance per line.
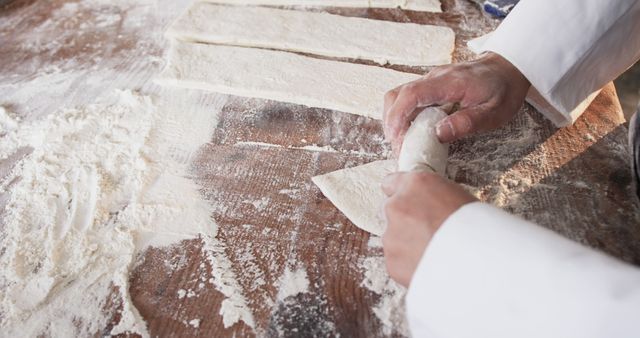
x=282 y=76
x=316 y=33
x=421 y=148
x=412 y=5
x=356 y=192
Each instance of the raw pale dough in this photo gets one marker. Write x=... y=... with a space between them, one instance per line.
x=282 y=76
x=421 y=149
x=316 y=33
x=412 y=5
x=356 y=192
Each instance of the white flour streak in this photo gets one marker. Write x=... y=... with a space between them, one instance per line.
x=312 y=148
x=390 y=309
x=257 y=144
x=234 y=308
x=315 y=147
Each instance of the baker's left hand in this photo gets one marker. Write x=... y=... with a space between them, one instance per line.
x=417 y=205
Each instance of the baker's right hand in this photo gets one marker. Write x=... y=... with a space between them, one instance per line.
x=489 y=91
x=417 y=205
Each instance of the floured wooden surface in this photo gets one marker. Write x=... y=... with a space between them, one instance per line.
x=276 y=227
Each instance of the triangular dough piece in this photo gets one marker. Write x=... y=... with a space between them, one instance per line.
x=357 y=193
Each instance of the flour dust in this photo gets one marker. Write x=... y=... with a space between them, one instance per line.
x=99 y=184
x=390 y=309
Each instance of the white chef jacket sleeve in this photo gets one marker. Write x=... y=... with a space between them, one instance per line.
x=489 y=274
x=567 y=49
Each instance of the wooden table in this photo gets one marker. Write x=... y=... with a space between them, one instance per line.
x=575 y=180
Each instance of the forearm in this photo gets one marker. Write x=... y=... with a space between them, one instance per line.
x=569 y=49
x=489 y=274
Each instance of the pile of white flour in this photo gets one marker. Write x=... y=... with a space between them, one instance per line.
x=99 y=184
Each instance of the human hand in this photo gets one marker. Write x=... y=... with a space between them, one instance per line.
x=417 y=205
x=489 y=91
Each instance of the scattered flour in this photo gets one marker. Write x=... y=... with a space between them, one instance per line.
x=246 y=261
x=195 y=323
x=260 y=204
x=390 y=309
x=292 y=283
x=313 y=148
x=375 y=241
x=257 y=144
x=176 y=263
x=101 y=183
x=234 y=308
x=7 y=123
x=322 y=149
x=289 y=192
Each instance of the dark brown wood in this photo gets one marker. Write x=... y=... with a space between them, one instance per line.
x=574 y=180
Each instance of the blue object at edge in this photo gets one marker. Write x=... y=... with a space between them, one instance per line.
x=499 y=8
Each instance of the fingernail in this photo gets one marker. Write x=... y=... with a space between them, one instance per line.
x=388 y=184
x=386 y=181
x=444 y=130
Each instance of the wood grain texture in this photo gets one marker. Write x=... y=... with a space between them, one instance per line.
x=574 y=181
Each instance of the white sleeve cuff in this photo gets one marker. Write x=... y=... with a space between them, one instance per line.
x=568 y=50
x=487 y=273
x=559 y=116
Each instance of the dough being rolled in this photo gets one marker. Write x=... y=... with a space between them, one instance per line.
x=357 y=191
x=421 y=149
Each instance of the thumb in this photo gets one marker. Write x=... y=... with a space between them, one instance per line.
x=408 y=101
x=391 y=183
x=460 y=124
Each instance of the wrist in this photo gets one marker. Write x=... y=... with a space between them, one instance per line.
x=501 y=65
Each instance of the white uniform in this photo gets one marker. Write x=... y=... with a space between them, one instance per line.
x=489 y=274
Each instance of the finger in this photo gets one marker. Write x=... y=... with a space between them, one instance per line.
x=405 y=102
x=389 y=98
x=400 y=112
x=462 y=123
x=416 y=94
x=391 y=183
x=396 y=144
